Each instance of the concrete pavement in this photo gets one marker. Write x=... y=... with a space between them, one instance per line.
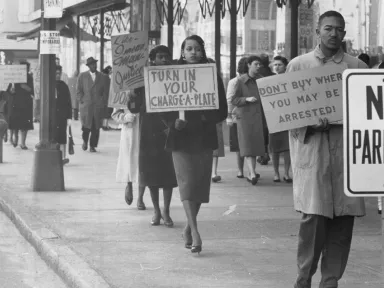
x=93 y=239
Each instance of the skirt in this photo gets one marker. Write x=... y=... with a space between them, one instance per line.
x=278 y=142
x=219 y=152
x=233 y=139
x=193 y=173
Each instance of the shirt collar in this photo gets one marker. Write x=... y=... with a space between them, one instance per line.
x=337 y=58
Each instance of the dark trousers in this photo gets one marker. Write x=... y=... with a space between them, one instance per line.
x=95 y=134
x=76 y=114
x=330 y=237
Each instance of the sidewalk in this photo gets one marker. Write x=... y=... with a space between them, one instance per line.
x=93 y=239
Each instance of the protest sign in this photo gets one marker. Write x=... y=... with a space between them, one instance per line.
x=53 y=8
x=118 y=99
x=49 y=42
x=363 y=92
x=299 y=99
x=13 y=74
x=181 y=88
x=130 y=55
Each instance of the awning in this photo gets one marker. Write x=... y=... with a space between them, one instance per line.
x=67 y=27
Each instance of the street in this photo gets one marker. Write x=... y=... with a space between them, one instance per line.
x=21 y=266
x=249 y=232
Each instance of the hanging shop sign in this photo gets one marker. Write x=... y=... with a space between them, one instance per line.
x=49 y=42
x=53 y=8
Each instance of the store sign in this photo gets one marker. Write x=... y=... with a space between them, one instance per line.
x=130 y=55
x=363 y=132
x=53 y=8
x=298 y=99
x=49 y=42
x=181 y=88
x=13 y=74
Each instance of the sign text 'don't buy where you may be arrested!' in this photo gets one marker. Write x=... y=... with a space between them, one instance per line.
x=181 y=88
x=298 y=99
x=363 y=93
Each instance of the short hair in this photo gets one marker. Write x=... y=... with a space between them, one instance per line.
x=364 y=57
x=59 y=68
x=200 y=41
x=242 y=66
x=254 y=58
x=264 y=60
x=282 y=59
x=330 y=13
x=158 y=49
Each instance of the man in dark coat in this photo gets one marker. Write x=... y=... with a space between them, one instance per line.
x=92 y=90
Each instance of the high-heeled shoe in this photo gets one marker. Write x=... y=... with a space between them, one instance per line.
x=187 y=244
x=196 y=249
x=156 y=220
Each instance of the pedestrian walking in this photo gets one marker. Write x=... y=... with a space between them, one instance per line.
x=92 y=90
x=63 y=113
x=249 y=114
x=155 y=163
x=128 y=160
x=328 y=214
x=72 y=82
x=21 y=116
x=192 y=142
x=279 y=142
x=242 y=68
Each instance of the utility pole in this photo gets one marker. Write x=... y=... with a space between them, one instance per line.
x=47 y=174
x=294 y=28
x=218 y=35
x=170 y=22
x=233 y=39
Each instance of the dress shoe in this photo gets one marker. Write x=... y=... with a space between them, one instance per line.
x=65 y=161
x=85 y=146
x=92 y=149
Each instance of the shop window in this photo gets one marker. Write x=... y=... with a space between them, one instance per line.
x=253 y=40
x=263 y=9
x=253 y=9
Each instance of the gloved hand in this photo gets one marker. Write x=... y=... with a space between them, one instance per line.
x=129 y=118
x=180 y=124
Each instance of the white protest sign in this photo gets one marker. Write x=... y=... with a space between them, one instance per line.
x=363 y=132
x=298 y=99
x=53 y=8
x=13 y=74
x=181 y=88
x=130 y=55
x=49 y=42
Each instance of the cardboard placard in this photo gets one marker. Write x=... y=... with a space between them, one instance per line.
x=13 y=74
x=130 y=55
x=298 y=99
x=117 y=99
x=181 y=88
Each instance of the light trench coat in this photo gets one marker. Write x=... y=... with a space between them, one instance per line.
x=128 y=161
x=317 y=159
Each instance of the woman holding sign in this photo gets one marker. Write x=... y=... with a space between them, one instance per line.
x=192 y=141
x=155 y=164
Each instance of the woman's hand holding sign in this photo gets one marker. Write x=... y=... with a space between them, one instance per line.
x=180 y=124
x=323 y=125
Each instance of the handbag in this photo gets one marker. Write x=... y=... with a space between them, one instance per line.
x=71 y=151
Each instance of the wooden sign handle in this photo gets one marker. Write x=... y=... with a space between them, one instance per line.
x=182 y=115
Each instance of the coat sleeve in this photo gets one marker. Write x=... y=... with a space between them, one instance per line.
x=68 y=100
x=238 y=99
x=80 y=88
x=231 y=90
x=106 y=89
x=222 y=113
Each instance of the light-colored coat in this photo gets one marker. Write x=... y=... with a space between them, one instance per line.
x=128 y=161
x=91 y=96
x=249 y=117
x=317 y=159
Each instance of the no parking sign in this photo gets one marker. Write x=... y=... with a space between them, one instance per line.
x=363 y=132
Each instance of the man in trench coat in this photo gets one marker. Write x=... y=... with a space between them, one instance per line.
x=92 y=92
x=328 y=214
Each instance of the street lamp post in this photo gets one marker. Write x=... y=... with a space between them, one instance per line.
x=47 y=173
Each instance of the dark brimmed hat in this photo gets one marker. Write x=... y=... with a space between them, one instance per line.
x=91 y=60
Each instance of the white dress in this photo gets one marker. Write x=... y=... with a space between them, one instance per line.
x=128 y=161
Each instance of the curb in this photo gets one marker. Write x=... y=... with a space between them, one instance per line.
x=70 y=274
